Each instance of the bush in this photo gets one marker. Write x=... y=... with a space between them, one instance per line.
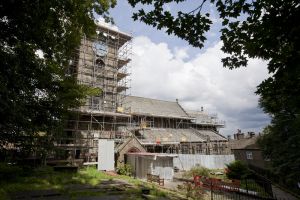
x=124 y=169
x=237 y=170
x=9 y=171
x=199 y=170
x=196 y=193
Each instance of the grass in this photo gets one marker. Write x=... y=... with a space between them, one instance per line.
x=45 y=178
x=199 y=170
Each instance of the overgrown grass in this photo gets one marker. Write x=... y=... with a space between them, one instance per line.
x=46 y=178
x=199 y=170
x=203 y=171
x=219 y=176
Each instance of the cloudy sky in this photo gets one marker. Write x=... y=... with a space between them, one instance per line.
x=165 y=67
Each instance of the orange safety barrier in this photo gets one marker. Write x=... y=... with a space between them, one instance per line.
x=216 y=184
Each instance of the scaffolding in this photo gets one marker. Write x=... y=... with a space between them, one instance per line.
x=101 y=62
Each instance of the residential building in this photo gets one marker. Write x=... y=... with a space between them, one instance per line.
x=245 y=148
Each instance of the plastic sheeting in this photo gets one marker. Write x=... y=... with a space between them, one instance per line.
x=187 y=161
x=106 y=159
x=143 y=165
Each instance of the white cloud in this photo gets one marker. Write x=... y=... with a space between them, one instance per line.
x=181 y=53
x=159 y=72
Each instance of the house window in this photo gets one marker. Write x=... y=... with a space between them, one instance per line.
x=249 y=155
x=99 y=62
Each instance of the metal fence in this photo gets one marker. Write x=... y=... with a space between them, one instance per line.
x=217 y=195
x=279 y=193
x=236 y=189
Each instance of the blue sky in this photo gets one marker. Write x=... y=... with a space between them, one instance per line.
x=166 y=67
x=122 y=16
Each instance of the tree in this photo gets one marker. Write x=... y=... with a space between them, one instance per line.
x=238 y=170
x=38 y=41
x=265 y=29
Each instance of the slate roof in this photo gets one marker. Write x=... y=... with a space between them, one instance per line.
x=168 y=136
x=155 y=107
x=175 y=136
x=213 y=136
x=244 y=143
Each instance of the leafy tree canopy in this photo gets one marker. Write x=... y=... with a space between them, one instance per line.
x=265 y=29
x=237 y=170
x=38 y=39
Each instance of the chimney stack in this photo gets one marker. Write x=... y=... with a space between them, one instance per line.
x=239 y=135
x=251 y=134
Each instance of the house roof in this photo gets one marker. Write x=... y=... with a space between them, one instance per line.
x=126 y=142
x=175 y=136
x=213 y=136
x=155 y=107
x=244 y=143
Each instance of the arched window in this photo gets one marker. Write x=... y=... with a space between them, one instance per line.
x=99 y=62
x=133 y=150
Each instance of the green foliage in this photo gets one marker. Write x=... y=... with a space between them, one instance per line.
x=251 y=185
x=9 y=171
x=196 y=193
x=249 y=29
x=188 y=26
x=38 y=40
x=281 y=143
x=199 y=170
x=44 y=178
x=263 y=29
x=124 y=169
x=238 y=170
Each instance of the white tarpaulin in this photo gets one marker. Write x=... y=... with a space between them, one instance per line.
x=106 y=156
x=187 y=161
x=151 y=163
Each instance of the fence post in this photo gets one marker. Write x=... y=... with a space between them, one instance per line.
x=211 y=190
x=247 y=186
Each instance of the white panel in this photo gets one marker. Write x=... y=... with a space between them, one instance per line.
x=164 y=168
x=106 y=155
x=187 y=161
